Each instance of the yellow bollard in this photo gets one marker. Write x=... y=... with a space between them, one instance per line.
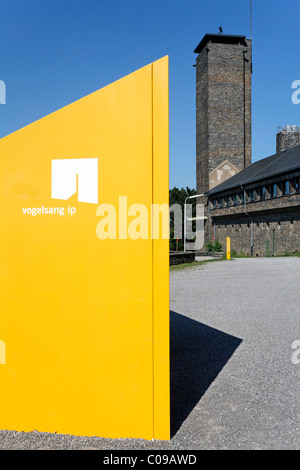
x=228 y=252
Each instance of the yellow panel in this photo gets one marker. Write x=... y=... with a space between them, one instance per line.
x=161 y=251
x=84 y=320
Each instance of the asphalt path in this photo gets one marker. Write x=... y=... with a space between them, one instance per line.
x=235 y=376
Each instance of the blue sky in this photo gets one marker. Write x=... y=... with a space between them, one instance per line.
x=54 y=52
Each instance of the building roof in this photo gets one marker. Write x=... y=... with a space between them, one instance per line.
x=274 y=165
x=220 y=38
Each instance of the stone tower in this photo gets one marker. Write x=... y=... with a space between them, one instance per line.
x=223 y=108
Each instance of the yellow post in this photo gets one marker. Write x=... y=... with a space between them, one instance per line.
x=228 y=251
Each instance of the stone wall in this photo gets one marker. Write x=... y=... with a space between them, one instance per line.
x=276 y=221
x=280 y=234
x=181 y=257
x=287 y=140
x=202 y=155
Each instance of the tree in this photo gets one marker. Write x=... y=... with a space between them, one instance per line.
x=178 y=196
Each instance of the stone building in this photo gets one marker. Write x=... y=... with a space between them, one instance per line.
x=256 y=205
x=259 y=208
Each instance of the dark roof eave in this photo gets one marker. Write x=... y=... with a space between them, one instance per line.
x=219 y=38
x=215 y=191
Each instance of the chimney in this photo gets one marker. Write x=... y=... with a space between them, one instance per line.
x=287 y=137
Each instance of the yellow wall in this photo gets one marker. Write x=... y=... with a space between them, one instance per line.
x=85 y=322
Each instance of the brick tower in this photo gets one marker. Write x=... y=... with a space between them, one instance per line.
x=223 y=108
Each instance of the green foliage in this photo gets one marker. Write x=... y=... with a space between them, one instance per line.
x=209 y=246
x=178 y=196
x=173 y=242
x=293 y=253
x=216 y=247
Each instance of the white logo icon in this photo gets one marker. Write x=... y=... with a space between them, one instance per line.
x=75 y=175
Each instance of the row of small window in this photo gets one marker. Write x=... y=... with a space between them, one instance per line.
x=282 y=188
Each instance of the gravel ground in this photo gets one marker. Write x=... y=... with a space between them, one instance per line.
x=233 y=382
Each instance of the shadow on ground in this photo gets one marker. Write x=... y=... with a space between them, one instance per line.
x=198 y=354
